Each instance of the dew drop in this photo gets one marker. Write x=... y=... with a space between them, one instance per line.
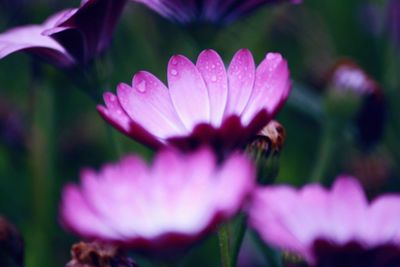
x=174 y=72
x=174 y=61
x=214 y=78
x=141 y=87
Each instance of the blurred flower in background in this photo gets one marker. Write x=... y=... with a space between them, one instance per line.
x=70 y=37
x=330 y=228
x=351 y=83
x=161 y=208
x=204 y=103
x=213 y=11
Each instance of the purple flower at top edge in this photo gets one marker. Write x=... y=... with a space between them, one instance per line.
x=336 y=227
x=70 y=37
x=204 y=103
x=161 y=208
x=214 y=11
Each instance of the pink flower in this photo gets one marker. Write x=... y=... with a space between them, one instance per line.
x=70 y=37
x=205 y=103
x=215 y=11
x=164 y=207
x=330 y=228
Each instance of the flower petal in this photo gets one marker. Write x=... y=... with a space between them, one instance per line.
x=147 y=102
x=348 y=206
x=78 y=216
x=272 y=86
x=188 y=92
x=214 y=74
x=241 y=75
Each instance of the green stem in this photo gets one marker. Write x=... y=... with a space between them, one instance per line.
x=329 y=139
x=224 y=245
x=239 y=239
x=42 y=160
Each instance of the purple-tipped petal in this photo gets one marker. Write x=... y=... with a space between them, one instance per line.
x=241 y=75
x=30 y=38
x=114 y=114
x=147 y=102
x=188 y=92
x=271 y=88
x=347 y=200
x=78 y=215
x=214 y=74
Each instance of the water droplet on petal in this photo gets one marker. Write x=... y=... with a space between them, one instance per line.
x=174 y=72
x=214 y=78
x=141 y=87
x=174 y=61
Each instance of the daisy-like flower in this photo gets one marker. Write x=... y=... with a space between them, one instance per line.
x=158 y=208
x=336 y=227
x=213 y=11
x=204 y=103
x=70 y=37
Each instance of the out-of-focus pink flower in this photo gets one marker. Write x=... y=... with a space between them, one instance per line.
x=205 y=103
x=330 y=228
x=70 y=37
x=214 y=11
x=164 y=207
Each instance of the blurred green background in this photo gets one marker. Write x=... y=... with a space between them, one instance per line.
x=49 y=128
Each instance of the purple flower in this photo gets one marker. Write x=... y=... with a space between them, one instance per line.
x=158 y=208
x=205 y=103
x=70 y=37
x=214 y=11
x=330 y=228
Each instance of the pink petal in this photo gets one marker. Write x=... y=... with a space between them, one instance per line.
x=147 y=102
x=188 y=92
x=272 y=214
x=212 y=68
x=114 y=113
x=272 y=86
x=30 y=37
x=238 y=174
x=241 y=75
x=78 y=216
x=348 y=207
x=383 y=222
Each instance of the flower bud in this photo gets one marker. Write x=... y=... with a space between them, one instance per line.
x=98 y=255
x=265 y=149
x=355 y=97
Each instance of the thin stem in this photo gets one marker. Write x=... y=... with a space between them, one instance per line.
x=224 y=246
x=329 y=139
x=239 y=239
x=42 y=161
